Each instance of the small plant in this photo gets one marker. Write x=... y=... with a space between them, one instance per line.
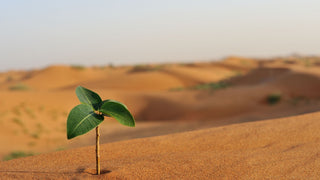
x=78 y=67
x=111 y=65
x=91 y=112
x=206 y=86
x=30 y=113
x=19 y=87
x=35 y=135
x=273 y=98
x=145 y=68
x=18 y=121
x=177 y=89
x=17 y=154
x=211 y=86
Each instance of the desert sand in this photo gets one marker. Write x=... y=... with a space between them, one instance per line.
x=286 y=148
x=186 y=128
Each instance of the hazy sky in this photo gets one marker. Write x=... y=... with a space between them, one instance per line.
x=37 y=33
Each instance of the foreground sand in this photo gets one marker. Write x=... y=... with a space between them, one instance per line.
x=286 y=148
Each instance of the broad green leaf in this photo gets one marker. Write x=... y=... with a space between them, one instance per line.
x=118 y=111
x=81 y=120
x=88 y=97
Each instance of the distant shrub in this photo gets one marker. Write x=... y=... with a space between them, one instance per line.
x=78 y=67
x=211 y=86
x=244 y=62
x=19 y=87
x=289 y=62
x=206 y=86
x=60 y=149
x=237 y=73
x=39 y=130
x=18 y=121
x=111 y=65
x=308 y=63
x=35 y=135
x=30 y=112
x=145 y=68
x=17 y=154
x=273 y=98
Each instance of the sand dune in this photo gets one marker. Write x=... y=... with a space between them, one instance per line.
x=55 y=77
x=164 y=99
x=259 y=76
x=137 y=82
x=286 y=148
x=300 y=85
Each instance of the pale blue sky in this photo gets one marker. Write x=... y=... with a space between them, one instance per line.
x=38 y=33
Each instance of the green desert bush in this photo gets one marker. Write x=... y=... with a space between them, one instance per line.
x=17 y=154
x=78 y=67
x=35 y=135
x=19 y=87
x=18 y=121
x=211 y=86
x=273 y=98
x=30 y=113
x=111 y=65
x=146 y=68
x=177 y=89
x=206 y=86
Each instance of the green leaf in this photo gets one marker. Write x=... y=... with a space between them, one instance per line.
x=81 y=120
x=88 y=97
x=118 y=111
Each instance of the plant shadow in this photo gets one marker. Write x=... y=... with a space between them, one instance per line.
x=92 y=171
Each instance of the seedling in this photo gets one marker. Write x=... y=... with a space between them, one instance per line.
x=91 y=112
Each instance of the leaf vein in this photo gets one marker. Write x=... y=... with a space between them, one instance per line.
x=81 y=122
x=86 y=96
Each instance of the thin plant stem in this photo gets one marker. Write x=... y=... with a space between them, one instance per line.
x=97 y=151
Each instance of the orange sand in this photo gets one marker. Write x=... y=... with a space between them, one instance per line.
x=286 y=148
x=158 y=96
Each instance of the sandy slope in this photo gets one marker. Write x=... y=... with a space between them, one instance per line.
x=35 y=119
x=286 y=148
